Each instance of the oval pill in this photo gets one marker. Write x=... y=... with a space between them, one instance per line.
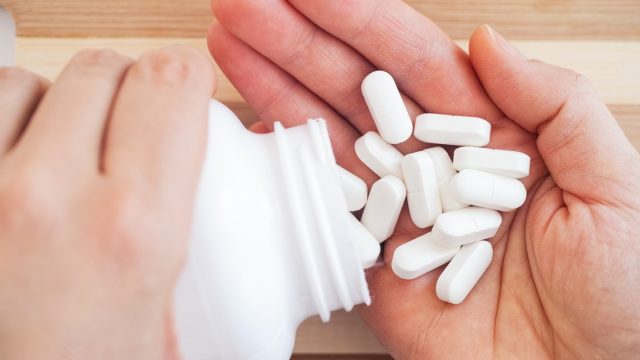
x=379 y=156
x=487 y=190
x=386 y=107
x=367 y=246
x=419 y=256
x=464 y=226
x=354 y=189
x=452 y=130
x=422 y=189
x=502 y=162
x=463 y=272
x=383 y=207
x=444 y=171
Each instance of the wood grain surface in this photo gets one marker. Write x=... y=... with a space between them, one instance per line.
x=599 y=38
x=518 y=19
x=612 y=66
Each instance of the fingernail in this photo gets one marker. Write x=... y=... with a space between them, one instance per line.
x=503 y=43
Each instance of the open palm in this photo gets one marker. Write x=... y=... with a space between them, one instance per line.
x=565 y=278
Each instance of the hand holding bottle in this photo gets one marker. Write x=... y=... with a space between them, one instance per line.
x=97 y=179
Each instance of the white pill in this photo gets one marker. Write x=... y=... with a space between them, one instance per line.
x=379 y=156
x=502 y=162
x=367 y=246
x=444 y=172
x=354 y=189
x=383 y=207
x=464 y=226
x=387 y=108
x=463 y=272
x=487 y=190
x=452 y=130
x=419 y=256
x=422 y=189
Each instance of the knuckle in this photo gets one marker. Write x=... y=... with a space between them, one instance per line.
x=98 y=58
x=22 y=201
x=579 y=89
x=126 y=229
x=124 y=211
x=581 y=82
x=173 y=67
x=18 y=77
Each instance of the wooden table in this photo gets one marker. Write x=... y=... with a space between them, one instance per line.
x=599 y=38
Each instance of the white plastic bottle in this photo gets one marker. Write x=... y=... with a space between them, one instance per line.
x=7 y=39
x=271 y=243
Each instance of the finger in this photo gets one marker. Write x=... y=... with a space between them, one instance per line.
x=422 y=323
x=276 y=96
x=69 y=122
x=258 y=127
x=578 y=138
x=158 y=131
x=325 y=65
x=427 y=65
x=20 y=93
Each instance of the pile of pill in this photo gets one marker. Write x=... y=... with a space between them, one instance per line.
x=458 y=199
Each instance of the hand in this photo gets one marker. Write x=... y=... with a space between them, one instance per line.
x=564 y=280
x=97 y=178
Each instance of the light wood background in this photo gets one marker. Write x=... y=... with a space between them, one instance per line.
x=600 y=38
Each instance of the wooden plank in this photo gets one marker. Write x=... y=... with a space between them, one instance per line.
x=612 y=66
x=342 y=357
x=518 y=19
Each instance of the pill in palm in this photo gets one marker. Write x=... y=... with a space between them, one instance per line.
x=379 y=156
x=383 y=207
x=464 y=226
x=354 y=188
x=464 y=271
x=452 y=130
x=502 y=162
x=419 y=256
x=422 y=189
x=386 y=107
x=488 y=190
x=367 y=246
x=443 y=168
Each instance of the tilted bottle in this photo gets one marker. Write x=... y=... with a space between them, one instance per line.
x=270 y=243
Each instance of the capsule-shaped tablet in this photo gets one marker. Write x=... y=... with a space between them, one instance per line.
x=452 y=130
x=387 y=108
x=487 y=190
x=422 y=189
x=502 y=162
x=463 y=272
x=464 y=226
x=379 y=156
x=444 y=172
x=354 y=189
x=419 y=256
x=383 y=207
x=367 y=246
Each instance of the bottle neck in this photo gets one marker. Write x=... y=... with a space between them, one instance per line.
x=333 y=275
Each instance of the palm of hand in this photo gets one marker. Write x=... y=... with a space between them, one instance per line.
x=562 y=267
x=543 y=294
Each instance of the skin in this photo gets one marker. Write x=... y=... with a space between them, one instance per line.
x=97 y=179
x=98 y=174
x=565 y=280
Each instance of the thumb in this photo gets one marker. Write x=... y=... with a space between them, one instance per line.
x=579 y=140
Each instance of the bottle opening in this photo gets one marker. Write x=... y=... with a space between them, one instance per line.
x=320 y=218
